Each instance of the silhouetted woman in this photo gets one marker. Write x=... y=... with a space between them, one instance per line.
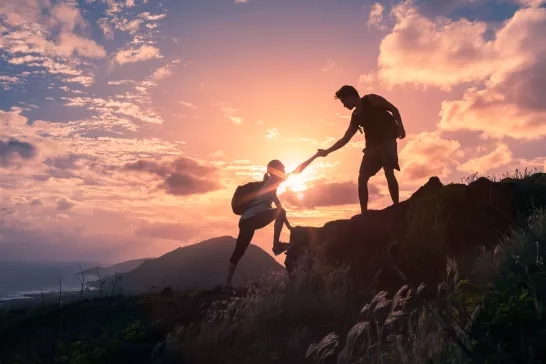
x=261 y=214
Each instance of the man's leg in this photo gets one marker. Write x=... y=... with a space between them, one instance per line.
x=370 y=165
x=392 y=183
x=389 y=160
x=363 y=192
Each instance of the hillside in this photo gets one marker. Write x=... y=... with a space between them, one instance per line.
x=122 y=267
x=197 y=267
x=354 y=293
x=417 y=235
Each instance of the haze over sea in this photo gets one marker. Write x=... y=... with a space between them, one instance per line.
x=20 y=278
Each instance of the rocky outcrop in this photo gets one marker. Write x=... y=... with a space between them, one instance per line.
x=417 y=234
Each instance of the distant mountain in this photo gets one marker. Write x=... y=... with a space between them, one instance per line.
x=123 y=267
x=196 y=267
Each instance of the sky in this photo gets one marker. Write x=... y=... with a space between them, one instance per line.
x=128 y=124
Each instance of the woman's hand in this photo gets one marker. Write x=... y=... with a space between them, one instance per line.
x=322 y=153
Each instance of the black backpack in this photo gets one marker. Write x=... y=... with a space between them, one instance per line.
x=244 y=196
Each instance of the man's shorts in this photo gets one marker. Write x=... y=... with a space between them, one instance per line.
x=382 y=155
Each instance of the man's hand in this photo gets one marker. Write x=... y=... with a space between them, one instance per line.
x=322 y=153
x=401 y=133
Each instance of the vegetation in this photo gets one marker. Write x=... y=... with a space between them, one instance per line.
x=494 y=315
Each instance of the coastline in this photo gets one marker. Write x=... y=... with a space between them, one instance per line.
x=34 y=300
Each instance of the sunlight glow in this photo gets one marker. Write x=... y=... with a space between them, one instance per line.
x=296 y=182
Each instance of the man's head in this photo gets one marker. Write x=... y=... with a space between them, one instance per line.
x=348 y=95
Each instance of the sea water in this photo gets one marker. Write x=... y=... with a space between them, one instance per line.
x=18 y=279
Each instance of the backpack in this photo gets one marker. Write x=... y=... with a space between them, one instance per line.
x=383 y=122
x=244 y=196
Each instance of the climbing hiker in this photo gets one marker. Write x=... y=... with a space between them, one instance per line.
x=381 y=123
x=253 y=202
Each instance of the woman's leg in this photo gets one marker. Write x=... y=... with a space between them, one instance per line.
x=280 y=220
x=243 y=241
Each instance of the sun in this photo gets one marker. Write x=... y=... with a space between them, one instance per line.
x=296 y=182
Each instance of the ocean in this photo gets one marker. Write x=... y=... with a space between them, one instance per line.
x=20 y=278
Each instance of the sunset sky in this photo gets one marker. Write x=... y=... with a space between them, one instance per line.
x=127 y=124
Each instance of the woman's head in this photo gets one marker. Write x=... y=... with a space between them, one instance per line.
x=275 y=170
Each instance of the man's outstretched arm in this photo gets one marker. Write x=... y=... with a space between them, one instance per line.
x=305 y=164
x=377 y=100
x=351 y=131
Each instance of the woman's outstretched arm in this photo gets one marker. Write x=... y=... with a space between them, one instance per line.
x=304 y=165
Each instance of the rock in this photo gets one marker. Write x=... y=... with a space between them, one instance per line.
x=417 y=234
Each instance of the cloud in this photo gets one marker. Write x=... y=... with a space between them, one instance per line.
x=440 y=52
x=151 y=17
x=187 y=104
x=230 y=113
x=272 y=134
x=7 y=81
x=531 y=3
x=161 y=73
x=14 y=151
x=503 y=65
x=40 y=34
x=331 y=66
x=375 y=18
x=170 y=231
x=428 y=154
x=64 y=204
x=182 y=177
x=325 y=193
x=241 y=1
x=499 y=157
x=106 y=28
x=131 y=26
x=132 y=55
x=510 y=104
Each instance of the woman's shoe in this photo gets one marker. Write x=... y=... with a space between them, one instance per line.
x=279 y=248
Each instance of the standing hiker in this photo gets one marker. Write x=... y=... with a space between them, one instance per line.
x=382 y=125
x=253 y=202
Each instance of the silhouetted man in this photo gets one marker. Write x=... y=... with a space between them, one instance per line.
x=382 y=125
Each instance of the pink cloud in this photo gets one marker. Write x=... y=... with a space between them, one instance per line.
x=325 y=193
x=498 y=157
x=428 y=154
x=511 y=103
x=506 y=71
x=440 y=52
x=132 y=55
